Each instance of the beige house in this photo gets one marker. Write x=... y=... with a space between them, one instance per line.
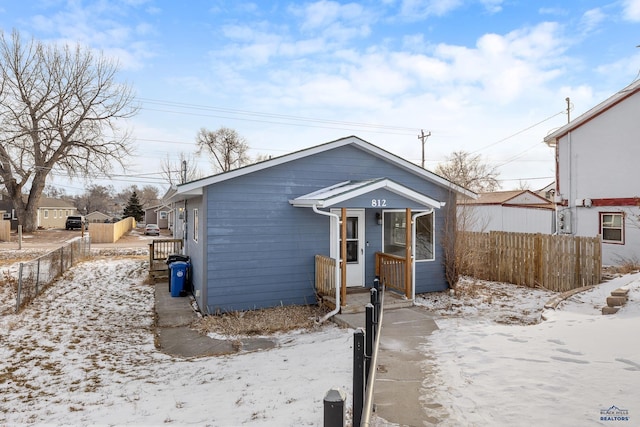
x=98 y=217
x=53 y=213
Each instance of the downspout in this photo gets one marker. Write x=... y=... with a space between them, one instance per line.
x=337 y=273
x=413 y=249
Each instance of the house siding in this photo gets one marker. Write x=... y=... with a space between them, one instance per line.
x=260 y=250
x=196 y=249
x=591 y=158
x=514 y=219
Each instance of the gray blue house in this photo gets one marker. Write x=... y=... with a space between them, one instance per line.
x=275 y=232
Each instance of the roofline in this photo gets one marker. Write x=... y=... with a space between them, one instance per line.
x=385 y=183
x=195 y=188
x=630 y=90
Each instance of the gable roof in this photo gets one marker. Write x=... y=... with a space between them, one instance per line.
x=48 y=202
x=338 y=193
x=509 y=198
x=608 y=103
x=195 y=188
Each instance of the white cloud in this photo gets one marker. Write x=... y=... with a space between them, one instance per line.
x=98 y=26
x=334 y=20
x=592 y=19
x=631 y=10
x=420 y=9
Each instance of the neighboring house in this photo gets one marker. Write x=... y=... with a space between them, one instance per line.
x=53 y=213
x=8 y=212
x=548 y=192
x=597 y=175
x=253 y=233
x=98 y=217
x=159 y=215
x=519 y=211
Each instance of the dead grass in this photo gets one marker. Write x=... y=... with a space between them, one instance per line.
x=267 y=321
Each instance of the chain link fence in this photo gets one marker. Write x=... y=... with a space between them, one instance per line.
x=37 y=274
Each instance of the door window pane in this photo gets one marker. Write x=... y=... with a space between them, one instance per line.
x=352 y=240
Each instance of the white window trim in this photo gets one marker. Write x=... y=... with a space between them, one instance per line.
x=622 y=228
x=196 y=220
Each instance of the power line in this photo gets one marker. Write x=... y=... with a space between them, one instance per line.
x=274 y=115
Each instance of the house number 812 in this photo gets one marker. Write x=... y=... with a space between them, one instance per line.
x=378 y=203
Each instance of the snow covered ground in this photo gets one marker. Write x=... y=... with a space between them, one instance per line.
x=84 y=353
x=576 y=368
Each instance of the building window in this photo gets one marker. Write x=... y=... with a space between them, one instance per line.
x=55 y=213
x=195 y=225
x=395 y=232
x=612 y=227
x=46 y=213
x=163 y=214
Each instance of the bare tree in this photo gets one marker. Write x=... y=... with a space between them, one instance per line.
x=147 y=196
x=470 y=172
x=95 y=198
x=59 y=112
x=226 y=149
x=180 y=171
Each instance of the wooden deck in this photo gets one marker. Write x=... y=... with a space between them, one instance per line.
x=159 y=250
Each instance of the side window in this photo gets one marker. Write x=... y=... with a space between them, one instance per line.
x=195 y=225
x=46 y=213
x=395 y=226
x=612 y=227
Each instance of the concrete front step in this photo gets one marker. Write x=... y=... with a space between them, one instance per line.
x=618 y=298
x=616 y=301
x=620 y=292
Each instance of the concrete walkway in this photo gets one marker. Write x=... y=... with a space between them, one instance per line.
x=402 y=365
x=174 y=315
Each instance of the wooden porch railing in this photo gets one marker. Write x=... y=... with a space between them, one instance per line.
x=325 y=276
x=160 y=249
x=392 y=272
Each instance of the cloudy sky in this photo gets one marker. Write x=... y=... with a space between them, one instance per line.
x=485 y=76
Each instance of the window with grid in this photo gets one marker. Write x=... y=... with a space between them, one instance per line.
x=612 y=227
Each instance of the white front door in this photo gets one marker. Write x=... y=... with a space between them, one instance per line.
x=355 y=245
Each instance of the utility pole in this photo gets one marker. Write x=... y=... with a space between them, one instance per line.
x=568 y=109
x=184 y=171
x=423 y=137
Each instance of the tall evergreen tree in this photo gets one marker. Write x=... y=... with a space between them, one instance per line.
x=134 y=208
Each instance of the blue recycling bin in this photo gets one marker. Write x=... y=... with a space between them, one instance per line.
x=179 y=271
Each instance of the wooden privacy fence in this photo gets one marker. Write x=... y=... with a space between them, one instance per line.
x=110 y=233
x=555 y=262
x=5 y=230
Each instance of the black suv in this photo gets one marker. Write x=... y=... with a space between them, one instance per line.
x=75 y=221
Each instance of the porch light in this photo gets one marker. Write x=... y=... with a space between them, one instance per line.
x=379 y=218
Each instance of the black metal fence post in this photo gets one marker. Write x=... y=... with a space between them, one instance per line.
x=334 y=408
x=369 y=338
x=358 y=375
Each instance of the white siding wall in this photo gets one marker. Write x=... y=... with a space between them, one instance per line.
x=600 y=160
x=511 y=219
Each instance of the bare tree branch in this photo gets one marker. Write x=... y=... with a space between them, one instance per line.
x=468 y=171
x=60 y=110
x=226 y=149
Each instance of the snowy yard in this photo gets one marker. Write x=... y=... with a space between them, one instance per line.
x=84 y=353
x=565 y=371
